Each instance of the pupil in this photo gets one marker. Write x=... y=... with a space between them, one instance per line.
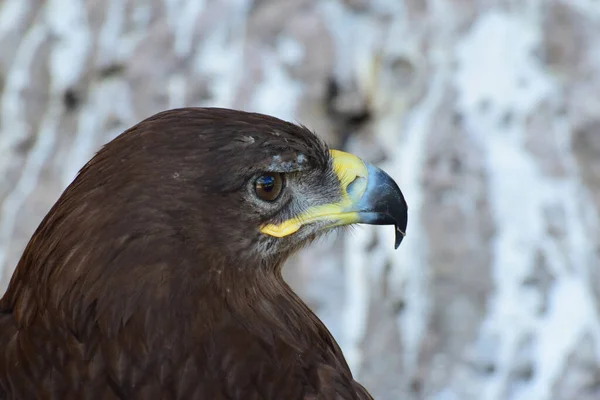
x=267 y=183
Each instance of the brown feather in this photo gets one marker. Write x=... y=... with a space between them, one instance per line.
x=148 y=278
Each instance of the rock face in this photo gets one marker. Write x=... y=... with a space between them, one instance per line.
x=486 y=112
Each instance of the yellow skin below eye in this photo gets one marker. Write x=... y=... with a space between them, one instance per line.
x=347 y=168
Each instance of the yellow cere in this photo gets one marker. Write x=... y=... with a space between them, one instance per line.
x=347 y=168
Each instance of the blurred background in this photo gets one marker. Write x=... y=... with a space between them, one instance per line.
x=486 y=112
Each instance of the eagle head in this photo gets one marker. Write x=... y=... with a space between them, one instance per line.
x=158 y=269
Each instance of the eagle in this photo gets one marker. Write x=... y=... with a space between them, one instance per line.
x=157 y=274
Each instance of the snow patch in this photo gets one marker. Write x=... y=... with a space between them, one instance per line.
x=14 y=128
x=11 y=14
x=221 y=55
x=67 y=23
x=498 y=76
x=278 y=93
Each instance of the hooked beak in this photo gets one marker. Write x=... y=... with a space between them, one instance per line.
x=369 y=196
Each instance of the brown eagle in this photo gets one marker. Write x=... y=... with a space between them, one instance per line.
x=157 y=273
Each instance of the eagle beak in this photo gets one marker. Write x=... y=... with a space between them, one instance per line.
x=369 y=196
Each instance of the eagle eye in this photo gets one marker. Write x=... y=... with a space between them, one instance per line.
x=269 y=186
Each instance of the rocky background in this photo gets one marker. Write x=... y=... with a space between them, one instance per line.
x=487 y=112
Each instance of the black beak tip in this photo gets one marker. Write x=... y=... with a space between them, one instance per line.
x=400 y=217
x=399 y=236
x=400 y=227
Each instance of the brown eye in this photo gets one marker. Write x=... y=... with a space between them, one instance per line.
x=268 y=186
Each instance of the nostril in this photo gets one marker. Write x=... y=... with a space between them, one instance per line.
x=356 y=187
